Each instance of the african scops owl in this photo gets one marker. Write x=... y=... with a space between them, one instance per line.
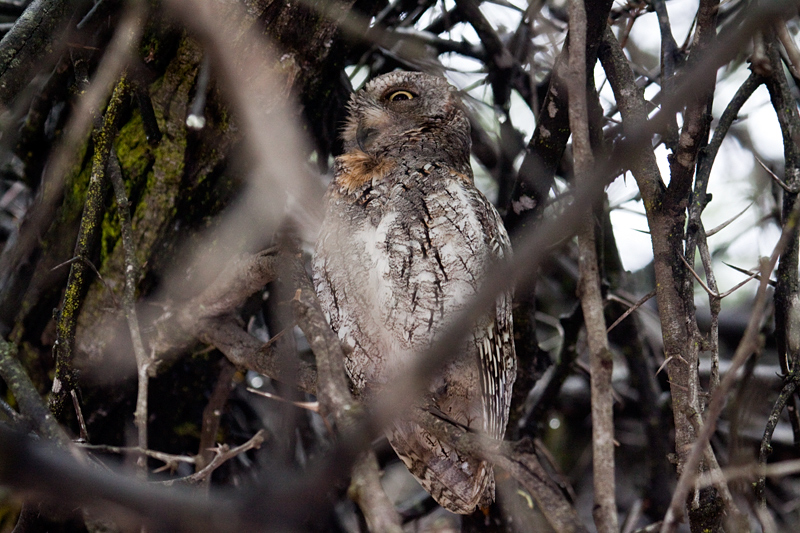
x=406 y=242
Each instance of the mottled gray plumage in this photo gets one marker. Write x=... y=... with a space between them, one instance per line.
x=406 y=242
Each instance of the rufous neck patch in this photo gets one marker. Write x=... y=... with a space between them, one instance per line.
x=357 y=168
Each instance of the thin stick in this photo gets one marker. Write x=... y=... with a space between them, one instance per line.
x=631 y=309
x=753 y=471
x=28 y=400
x=223 y=454
x=765 y=449
x=601 y=361
x=713 y=292
x=94 y=269
x=65 y=379
x=791 y=49
x=167 y=458
x=775 y=178
x=310 y=406
x=84 y=434
x=725 y=224
x=143 y=362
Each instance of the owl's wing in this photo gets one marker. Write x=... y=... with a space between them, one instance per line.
x=494 y=336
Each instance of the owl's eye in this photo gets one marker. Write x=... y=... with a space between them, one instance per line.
x=397 y=96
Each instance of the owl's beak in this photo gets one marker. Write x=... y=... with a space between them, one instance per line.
x=364 y=136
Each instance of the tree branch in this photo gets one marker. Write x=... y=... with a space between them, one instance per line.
x=366 y=490
x=605 y=508
x=28 y=399
x=88 y=236
x=747 y=346
x=32 y=40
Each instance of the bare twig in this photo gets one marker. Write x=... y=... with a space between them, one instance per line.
x=96 y=273
x=333 y=389
x=787 y=287
x=32 y=39
x=669 y=65
x=223 y=453
x=242 y=349
x=311 y=406
x=791 y=49
x=755 y=273
x=37 y=468
x=640 y=302
x=242 y=277
x=776 y=179
x=754 y=471
x=730 y=114
x=132 y=275
x=717 y=229
x=709 y=290
x=166 y=458
x=765 y=449
x=546 y=148
x=84 y=434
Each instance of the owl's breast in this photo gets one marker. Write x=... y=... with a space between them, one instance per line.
x=396 y=264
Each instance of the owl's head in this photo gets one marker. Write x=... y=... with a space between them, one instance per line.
x=408 y=113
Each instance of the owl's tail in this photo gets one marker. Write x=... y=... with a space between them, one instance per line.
x=457 y=482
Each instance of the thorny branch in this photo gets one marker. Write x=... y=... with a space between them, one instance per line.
x=214 y=316
x=605 y=509
x=747 y=346
x=222 y=454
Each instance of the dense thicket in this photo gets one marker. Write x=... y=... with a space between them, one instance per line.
x=162 y=167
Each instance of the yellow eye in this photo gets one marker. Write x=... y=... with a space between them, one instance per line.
x=400 y=95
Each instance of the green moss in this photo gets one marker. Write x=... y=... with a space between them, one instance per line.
x=111 y=233
x=187 y=429
x=132 y=148
x=77 y=183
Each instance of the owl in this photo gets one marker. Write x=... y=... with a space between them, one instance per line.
x=406 y=241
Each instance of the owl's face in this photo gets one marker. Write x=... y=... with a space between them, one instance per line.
x=407 y=110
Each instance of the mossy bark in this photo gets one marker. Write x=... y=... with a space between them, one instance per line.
x=176 y=189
